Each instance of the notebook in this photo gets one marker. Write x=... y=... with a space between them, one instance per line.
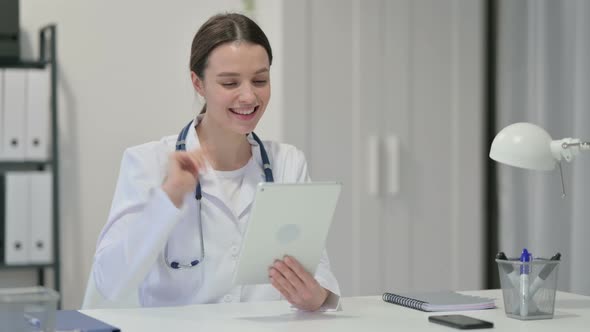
x=440 y=301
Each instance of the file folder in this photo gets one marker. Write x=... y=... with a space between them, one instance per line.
x=16 y=218
x=15 y=84
x=37 y=114
x=40 y=205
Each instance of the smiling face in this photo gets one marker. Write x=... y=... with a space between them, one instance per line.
x=236 y=86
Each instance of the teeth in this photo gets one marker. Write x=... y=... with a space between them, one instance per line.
x=243 y=111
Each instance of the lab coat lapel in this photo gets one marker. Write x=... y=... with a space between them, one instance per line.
x=252 y=176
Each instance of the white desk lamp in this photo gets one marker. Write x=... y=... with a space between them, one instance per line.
x=526 y=145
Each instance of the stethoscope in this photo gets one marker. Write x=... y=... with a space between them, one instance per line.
x=181 y=146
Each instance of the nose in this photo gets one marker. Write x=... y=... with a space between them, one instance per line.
x=247 y=95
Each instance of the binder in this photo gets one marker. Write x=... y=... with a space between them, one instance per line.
x=15 y=84
x=72 y=320
x=439 y=301
x=37 y=114
x=16 y=218
x=40 y=205
x=1 y=112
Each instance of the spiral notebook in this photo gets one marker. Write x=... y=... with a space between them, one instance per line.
x=440 y=301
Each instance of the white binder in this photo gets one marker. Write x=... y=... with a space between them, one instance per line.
x=16 y=218
x=37 y=115
x=15 y=84
x=41 y=244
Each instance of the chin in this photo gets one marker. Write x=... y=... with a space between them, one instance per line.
x=244 y=130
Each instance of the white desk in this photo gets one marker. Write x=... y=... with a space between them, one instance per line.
x=365 y=314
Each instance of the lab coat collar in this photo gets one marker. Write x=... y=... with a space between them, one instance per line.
x=252 y=176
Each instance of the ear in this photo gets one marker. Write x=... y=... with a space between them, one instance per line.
x=198 y=84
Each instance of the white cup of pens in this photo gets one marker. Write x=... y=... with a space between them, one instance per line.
x=528 y=285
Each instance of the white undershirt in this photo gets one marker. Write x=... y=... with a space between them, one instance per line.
x=231 y=184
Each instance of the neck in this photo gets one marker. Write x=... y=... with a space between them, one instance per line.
x=226 y=150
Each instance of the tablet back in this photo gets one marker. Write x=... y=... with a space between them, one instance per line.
x=286 y=219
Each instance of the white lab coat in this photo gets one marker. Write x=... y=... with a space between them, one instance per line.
x=142 y=220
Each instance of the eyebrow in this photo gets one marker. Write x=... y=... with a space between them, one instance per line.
x=229 y=74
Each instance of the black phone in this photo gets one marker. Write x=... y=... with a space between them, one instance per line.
x=461 y=322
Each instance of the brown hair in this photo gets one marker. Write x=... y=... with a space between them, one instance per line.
x=221 y=29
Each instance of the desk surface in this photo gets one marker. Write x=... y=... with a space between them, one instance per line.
x=572 y=313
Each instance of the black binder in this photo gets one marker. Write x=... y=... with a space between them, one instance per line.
x=9 y=31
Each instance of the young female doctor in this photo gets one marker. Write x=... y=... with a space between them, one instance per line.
x=182 y=203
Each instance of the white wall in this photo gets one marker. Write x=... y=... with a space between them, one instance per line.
x=123 y=80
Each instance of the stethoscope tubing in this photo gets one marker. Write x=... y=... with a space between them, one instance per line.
x=181 y=146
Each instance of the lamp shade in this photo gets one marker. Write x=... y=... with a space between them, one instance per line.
x=523 y=145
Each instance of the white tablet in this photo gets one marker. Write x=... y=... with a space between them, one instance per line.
x=286 y=219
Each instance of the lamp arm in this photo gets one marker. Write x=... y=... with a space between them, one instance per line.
x=568 y=148
x=582 y=145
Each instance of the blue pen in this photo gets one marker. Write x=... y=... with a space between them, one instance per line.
x=525 y=269
x=32 y=321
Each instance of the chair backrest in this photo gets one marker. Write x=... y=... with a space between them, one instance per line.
x=93 y=298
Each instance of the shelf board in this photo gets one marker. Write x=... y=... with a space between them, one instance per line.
x=24 y=266
x=11 y=166
x=23 y=64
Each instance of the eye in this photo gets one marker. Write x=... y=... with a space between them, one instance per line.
x=229 y=84
x=260 y=82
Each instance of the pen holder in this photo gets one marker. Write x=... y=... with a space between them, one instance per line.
x=27 y=309
x=528 y=288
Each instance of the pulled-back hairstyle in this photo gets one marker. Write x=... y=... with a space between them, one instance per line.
x=221 y=29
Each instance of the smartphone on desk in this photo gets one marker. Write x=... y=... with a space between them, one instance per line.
x=461 y=322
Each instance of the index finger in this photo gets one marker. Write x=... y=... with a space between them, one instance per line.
x=199 y=155
x=301 y=272
x=199 y=152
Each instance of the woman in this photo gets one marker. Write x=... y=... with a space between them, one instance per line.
x=152 y=244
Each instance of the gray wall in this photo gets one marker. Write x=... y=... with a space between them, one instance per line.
x=544 y=78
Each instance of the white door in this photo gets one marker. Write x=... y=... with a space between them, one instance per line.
x=363 y=75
